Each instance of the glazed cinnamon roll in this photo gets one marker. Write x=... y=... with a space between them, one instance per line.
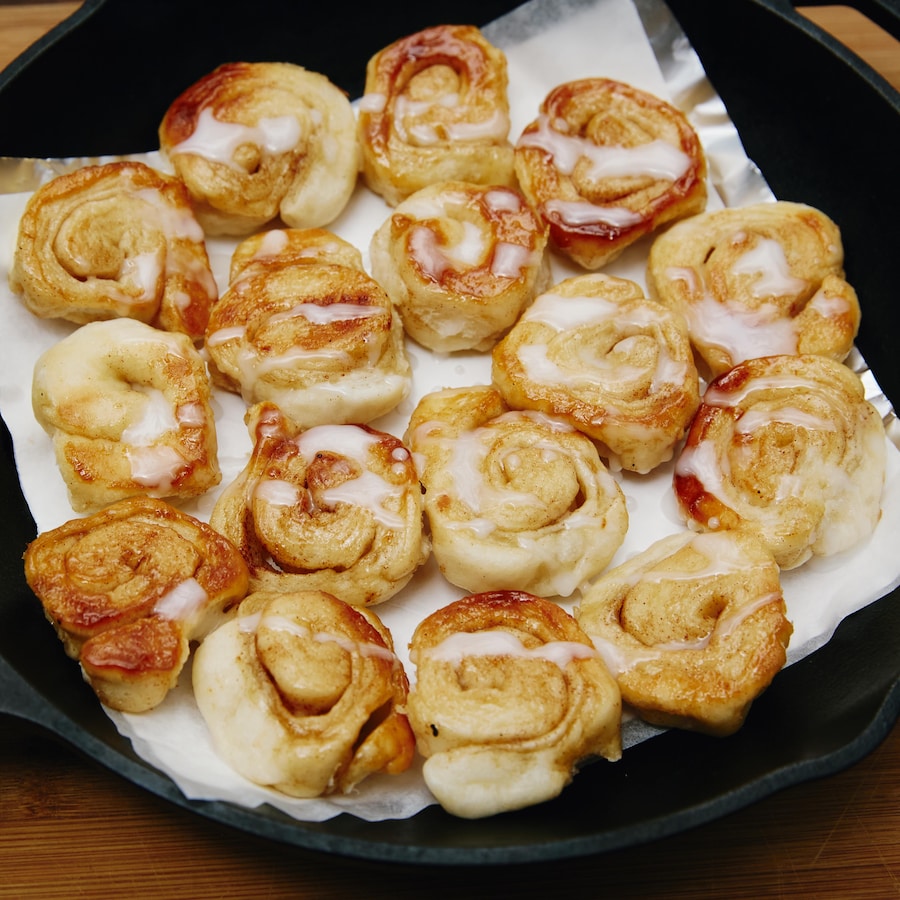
x=514 y=499
x=335 y=508
x=694 y=629
x=509 y=696
x=128 y=588
x=605 y=164
x=461 y=262
x=320 y=340
x=291 y=247
x=435 y=108
x=257 y=140
x=595 y=352
x=788 y=448
x=302 y=693
x=128 y=409
x=760 y=280
x=114 y=240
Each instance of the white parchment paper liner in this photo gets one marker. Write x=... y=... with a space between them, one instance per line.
x=547 y=42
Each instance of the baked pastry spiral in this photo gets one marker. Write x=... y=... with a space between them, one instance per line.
x=336 y=508
x=514 y=499
x=605 y=163
x=128 y=409
x=114 y=240
x=761 y=280
x=257 y=140
x=460 y=262
x=595 y=352
x=320 y=340
x=435 y=109
x=303 y=693
x=291 y=247
x=694 y=629
x=509 y=697
x=787 y=448
x=128 y=588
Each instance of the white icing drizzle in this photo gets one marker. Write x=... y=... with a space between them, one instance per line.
x=373 y=102
x=276 y=492
x=217 y=141
x=581 y=212
x=251 y=624
x=657 y=159
x=767 y=260
x=182 y=602
x=460 y=645
x=155 y=467
x=157 y=418
x=327 y=314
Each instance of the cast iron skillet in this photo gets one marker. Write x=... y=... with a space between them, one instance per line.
x=822 y=126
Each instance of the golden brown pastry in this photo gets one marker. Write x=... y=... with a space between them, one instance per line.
x=761 y=280
x=291 y=247
x=509 y=696
x=461 y=261
x=303 y=693
x=514 y=499
x=319 y=339
x=128 y=588
x=336 y=508
x=786 y=448
x=595 y=352
x=257 y=140
x=435 y=109
x=605 y=163
x=694 y=629
x=128 y=409
x=114 y=240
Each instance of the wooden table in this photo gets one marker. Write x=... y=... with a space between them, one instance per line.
x=70 y=829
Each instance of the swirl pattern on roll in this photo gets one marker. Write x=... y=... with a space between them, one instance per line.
x=605 y=164
x=254 y=141
x=318 y=338
x=118 y=240
x=302 y=693
x=334 y=507
x=434 y=109
x=760 y=280
x=595 y=352
x=128 y=588
x=128 y=409
x=694 y=629
x=514 y=499
x=787 y=448
x=509 y=696
x=461 y=262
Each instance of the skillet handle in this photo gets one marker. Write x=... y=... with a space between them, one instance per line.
x=885 y=13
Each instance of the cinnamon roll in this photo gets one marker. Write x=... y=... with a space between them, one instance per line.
x=128 y=588
x=605 y=164
x=128 y=409
x=460 y=262
x=595 y=352
x=435 y=108
x=694 y=629
x=509 y=697
x=291 y=247
x=321 y=340
x=257 y=140
x=788 y=448
x=762 y=280
x=114 y=240
x=514 y=499
x=302 y=693
x=335 y=507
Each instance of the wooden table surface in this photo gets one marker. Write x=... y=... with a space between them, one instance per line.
x=69 y=828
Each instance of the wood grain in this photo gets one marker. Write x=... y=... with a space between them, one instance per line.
x=70 y=829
